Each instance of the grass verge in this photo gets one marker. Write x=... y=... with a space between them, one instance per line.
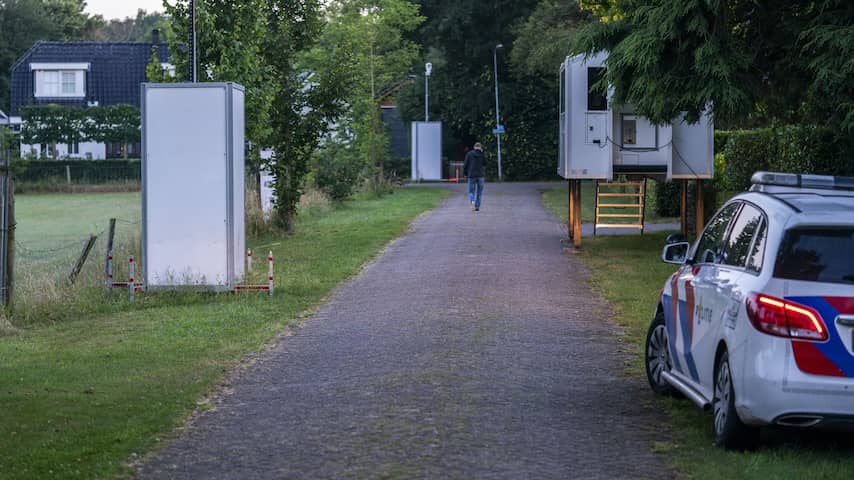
x=628 y=272
x=82 y=396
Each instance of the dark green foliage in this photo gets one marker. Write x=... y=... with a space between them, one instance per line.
x=668 y=198
x=459 y=38
x=745 y=153
x=83 y=171
x=52 y=124
x=755 y=62
x=791 y=149
x=337 y=170
x=22 y=22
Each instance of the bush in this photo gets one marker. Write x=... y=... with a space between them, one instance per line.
x=791 y=149
x=746 y=152
x=666 y=198
x=82 y=171
x=337 y=171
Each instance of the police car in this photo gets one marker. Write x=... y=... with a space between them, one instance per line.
x=757 y=324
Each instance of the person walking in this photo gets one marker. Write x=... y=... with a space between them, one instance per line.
x=474 y=170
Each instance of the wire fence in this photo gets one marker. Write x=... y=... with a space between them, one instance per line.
x=46 y=283
x=38 y=175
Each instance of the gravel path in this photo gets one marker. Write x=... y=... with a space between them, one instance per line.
x=472 y=348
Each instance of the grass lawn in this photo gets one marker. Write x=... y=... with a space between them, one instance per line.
x=558 y=201
x=82 y=396
x=628 y=271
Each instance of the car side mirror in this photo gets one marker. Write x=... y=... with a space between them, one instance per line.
x=675 y=253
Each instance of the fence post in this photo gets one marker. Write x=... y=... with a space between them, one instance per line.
x=131 y=285
x=108 y=268
x=7 y=227
x=82 y=259
x=249 y=260
x=68 y=174
x=270 y=273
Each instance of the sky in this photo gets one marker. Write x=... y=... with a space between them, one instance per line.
x=111 y=9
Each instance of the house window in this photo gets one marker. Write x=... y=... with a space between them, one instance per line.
x=74 y=148
x=60 y=80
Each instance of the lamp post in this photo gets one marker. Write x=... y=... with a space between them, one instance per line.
x=428 y=69
x=497 y=121
x=193 y=55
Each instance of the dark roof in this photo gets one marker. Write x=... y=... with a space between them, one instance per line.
x=115 y=72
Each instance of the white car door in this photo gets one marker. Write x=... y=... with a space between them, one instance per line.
x=697 y=288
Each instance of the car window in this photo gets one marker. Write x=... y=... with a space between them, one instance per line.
x=710 y=244
x=740 y=238
x=817 y=254
x=757 y=254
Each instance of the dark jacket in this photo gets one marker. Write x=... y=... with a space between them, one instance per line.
x=473 y=166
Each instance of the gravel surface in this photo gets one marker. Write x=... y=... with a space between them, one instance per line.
x=472 y=348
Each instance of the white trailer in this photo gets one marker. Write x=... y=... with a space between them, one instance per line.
x=193 y=185
x=599 y=140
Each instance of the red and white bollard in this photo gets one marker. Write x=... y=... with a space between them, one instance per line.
x=270 y=274
x=249 y=260
x=131 y=285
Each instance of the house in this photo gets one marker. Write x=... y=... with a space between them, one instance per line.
x=82 y=74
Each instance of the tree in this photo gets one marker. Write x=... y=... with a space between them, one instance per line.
x=22 y=22
x=52 y=124
x=751 y=61
x=368 y=39
x=256 y=43
x=113 y=124
x=459 y=38
x=544 y=40
x=135 y=29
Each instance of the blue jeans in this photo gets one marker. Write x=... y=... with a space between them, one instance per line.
x=476 y=190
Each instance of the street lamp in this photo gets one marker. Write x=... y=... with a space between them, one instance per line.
x=497 y=121
x=428 y=69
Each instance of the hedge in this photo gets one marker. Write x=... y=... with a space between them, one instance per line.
x=82 y=171
x=741 y=153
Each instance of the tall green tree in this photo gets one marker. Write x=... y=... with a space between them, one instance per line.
x=113 y=124
x=257 y=43
x=135 y=29
x=459 y=38
x=22 y=22
x=752 y=61
x=364 y=45
x=52 y=124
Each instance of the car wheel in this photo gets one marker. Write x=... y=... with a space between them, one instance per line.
x=657 y=357
x=730 y=431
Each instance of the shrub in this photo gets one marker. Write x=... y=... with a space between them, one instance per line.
x=746 y=152
x=666 y=198
x=337 y=170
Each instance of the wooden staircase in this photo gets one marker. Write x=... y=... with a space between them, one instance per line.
x=620 y=205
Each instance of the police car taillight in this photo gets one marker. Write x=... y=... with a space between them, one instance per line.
x=821 y=182
x=783 y=318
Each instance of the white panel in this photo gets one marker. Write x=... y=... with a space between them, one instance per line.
x=426 y=150
x=584 y=158
x=59 y=66
x=267 y=192
x=185 y=201
x=694 y=148
x=239 y=183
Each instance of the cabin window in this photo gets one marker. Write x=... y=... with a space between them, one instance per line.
x=596 y=99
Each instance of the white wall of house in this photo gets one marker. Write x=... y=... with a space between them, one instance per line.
x=84 y=151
